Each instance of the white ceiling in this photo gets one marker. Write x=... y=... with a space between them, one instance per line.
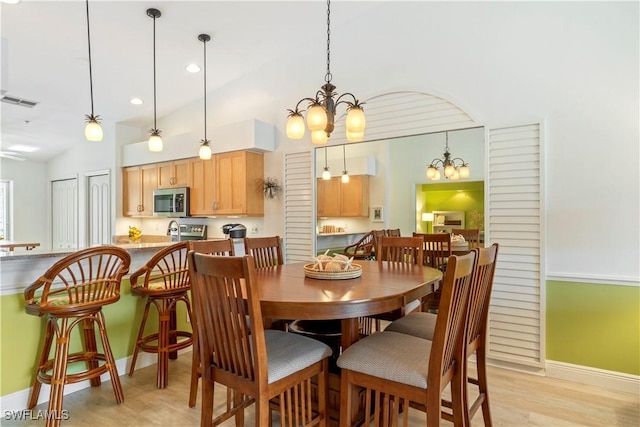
x=45 y=58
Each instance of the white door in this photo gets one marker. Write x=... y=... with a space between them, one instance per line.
x=99 y=209
x=64 y=214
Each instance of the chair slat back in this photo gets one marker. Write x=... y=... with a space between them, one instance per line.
x=392 y=232
x=471 y=236
x=212 y=247
x=437 y=248
x=167 y=267
x=400 y=250
x=449 y=330
x=266 y=251
x=480 y=296
x=87 y=276
x=224 y=294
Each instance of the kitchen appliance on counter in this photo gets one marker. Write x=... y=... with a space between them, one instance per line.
x=171 y=202
x=180 y=232
x=234 y=231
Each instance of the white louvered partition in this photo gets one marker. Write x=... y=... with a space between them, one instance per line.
x=514 y=197
x=299 y=235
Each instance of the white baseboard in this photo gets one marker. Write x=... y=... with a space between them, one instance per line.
x=18 y=401
x=611 y=380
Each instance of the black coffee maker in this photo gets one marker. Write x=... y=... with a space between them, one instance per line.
x=234 y=231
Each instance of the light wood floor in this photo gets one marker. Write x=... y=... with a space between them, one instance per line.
x=517 y=399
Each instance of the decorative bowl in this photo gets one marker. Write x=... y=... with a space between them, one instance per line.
x=315 y=273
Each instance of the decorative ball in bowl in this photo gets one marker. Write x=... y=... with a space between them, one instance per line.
x=332 y=268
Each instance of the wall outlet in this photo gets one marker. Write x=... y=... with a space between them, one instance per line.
x=254 y=229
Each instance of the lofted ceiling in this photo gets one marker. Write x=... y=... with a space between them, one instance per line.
x=45 y=58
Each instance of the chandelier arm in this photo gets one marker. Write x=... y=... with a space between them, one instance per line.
x=339 y=100
x=458 y=158
x=435 y=162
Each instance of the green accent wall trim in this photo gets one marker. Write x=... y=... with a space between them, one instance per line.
x=593 y=325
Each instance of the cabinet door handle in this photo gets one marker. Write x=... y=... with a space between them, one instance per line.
x=172 y=180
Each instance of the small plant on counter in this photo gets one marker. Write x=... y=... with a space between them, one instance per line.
x=134 y=233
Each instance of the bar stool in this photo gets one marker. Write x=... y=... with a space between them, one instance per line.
x=72 y=293
x=164 y=283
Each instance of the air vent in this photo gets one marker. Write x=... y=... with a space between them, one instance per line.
x=18 y=101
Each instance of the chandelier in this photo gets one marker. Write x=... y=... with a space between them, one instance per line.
x=321 y=110
x=450 y=168
x=92 y=131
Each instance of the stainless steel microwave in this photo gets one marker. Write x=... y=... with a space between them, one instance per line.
x=171 y=202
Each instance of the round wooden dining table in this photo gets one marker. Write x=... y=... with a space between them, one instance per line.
x=286 y=293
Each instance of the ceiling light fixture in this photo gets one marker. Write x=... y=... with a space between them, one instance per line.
x=321 y=111
x=92 y=131
x=450 y=169
x=192 y=68
x=345 y=174
x=155 y=141
x=205 y=147
x=326 y=175
x=136 y=101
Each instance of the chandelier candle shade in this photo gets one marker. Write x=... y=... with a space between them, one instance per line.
x=155 y=141
x=450 y=168
x=205 y=147
x=321 y=110
x=92 y=131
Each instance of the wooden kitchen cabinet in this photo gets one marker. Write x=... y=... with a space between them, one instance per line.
x=174 y=174
x=227 y=184
x=239 y=176
x=138 y=185
x=336 y=199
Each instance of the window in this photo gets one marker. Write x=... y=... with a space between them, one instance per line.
x=6 y=210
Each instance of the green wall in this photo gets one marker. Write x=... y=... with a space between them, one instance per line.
x=21 y=335
x=594 y=325
x=456 y=196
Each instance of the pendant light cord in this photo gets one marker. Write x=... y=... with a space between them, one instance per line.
x=90 y=72
x=204 y=43
x=327 y=77
x=155 y=126
x=344 y=159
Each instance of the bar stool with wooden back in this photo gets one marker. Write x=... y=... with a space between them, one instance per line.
x=422 y=325
x=164 y=282
x=72 y=293
x=399 y=370
x=211 y=247
x=259 y=364
x=471 y=236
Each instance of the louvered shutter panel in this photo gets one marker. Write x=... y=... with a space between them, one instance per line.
x=299 y=235
x=515 y=218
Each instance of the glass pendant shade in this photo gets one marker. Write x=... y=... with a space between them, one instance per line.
x=326 y=175
x=431 y=172
x=448 y=170
x=317 y=118
x=205 y=152
x=437 y=175
x=345 y=177
x=93 y=131
x=155 y=143
x=355 y=122
x=295 y=126
x=355 y=136
x=319 y=137
x=455 y=175
x=464 y=171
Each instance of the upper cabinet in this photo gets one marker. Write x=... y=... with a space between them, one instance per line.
x=174 y=174
x=138 y=185
x=336 y=199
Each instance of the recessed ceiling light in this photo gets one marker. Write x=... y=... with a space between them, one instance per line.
x=136 y=101
x=23 y=148
x=11 y=1
x=193 y=68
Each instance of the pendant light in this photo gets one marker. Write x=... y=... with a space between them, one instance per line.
x=345 y=174
x=155 y=141
x=321 y=111
x=326 y=175
x=205 y=147
x=93 y=131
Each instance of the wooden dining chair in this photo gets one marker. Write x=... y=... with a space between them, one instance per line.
x=222 y=247
x=437 y=249
x=399 y=370
x=422 y=325
x=72 y=293
x=267 y=251
x=163 y=282
x=471 y=236
x=392 y=232
x=259 y=364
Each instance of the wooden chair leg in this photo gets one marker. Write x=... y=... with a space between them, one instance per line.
x=136 y=350
x=206 y=411
x=59 y=374
x=483 y=386
x=44 y=357
x=164 y=330
x=173 y=327
x=110 y=361
x=90 y=347
x=195 y=370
